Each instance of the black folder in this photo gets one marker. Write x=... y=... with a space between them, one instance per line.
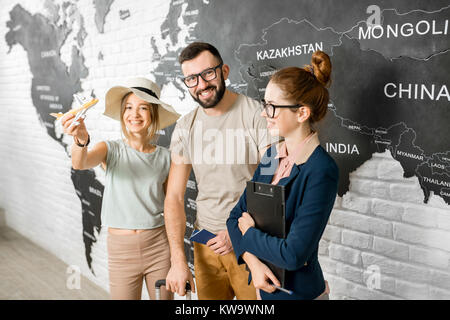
x=266 y=204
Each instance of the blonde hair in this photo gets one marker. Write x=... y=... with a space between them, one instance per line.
x=154 y=117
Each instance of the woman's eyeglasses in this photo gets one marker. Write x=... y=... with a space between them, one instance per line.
x=270 y=108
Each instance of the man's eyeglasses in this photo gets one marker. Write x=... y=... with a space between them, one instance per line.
x=207 y=75
x=270 y=108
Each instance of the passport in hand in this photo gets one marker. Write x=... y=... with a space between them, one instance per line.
x=201 y=236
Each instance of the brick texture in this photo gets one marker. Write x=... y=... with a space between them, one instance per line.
x=382 y=241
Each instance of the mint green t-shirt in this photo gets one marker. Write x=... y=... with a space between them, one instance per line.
x=133 y=197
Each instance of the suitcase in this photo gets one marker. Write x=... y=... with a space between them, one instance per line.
x=162 y=282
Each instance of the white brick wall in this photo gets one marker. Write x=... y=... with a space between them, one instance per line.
x=381 y=224
x=36 y=191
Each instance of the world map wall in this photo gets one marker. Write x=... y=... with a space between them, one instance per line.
x=389 y=84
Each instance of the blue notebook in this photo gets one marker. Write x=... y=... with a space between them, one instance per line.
x=201 y=236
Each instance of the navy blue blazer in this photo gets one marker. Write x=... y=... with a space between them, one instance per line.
x=310 y=192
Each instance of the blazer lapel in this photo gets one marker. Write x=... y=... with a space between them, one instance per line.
x=268 y=165
x=294 y=173
x=265 y=178
x=267 y=172
x=306 y=151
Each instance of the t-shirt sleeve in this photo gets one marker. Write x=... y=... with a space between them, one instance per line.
x=166 y=155
x=179 y=141
x=112 y=154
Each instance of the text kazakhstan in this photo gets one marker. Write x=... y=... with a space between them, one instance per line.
x=287 y=52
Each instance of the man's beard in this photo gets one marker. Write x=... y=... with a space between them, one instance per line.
x=219 y=92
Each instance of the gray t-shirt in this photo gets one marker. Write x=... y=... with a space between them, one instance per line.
x=133 y=197
x=224 y=152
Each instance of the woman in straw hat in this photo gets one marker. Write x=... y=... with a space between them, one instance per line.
x=136 y=175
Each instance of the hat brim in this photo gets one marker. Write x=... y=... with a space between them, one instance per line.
x=114 y=97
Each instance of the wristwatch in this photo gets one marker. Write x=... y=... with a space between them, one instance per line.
x=82 y=145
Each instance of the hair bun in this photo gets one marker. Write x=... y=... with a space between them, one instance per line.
x=321 y=67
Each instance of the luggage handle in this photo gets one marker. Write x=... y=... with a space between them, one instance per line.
x=162 y=282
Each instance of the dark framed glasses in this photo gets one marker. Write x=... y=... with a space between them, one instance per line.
x=270 y=108
x=207 y=75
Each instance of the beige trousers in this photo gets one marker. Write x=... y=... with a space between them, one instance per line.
x=220 y=277
x=133 y=258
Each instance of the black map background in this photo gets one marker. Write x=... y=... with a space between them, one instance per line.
x=37 y=34
x=359 y=112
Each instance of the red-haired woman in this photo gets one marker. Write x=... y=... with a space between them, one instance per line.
x=295 y=99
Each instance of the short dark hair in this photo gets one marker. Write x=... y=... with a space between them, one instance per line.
x=195 y=48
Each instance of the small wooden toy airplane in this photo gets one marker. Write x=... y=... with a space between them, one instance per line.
x=78 y=112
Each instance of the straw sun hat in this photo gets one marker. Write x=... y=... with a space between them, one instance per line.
x=146 y=90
